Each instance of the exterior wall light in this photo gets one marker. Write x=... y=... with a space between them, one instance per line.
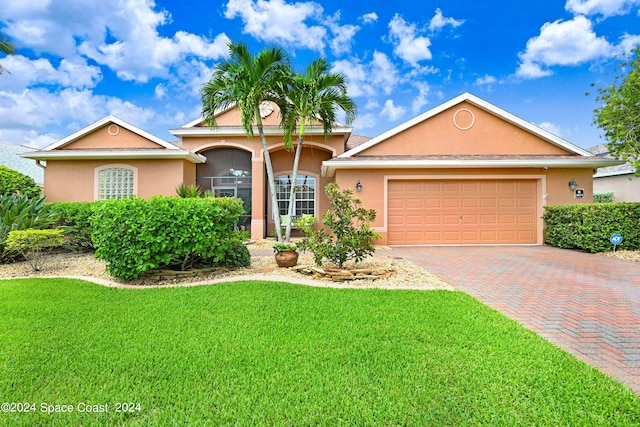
x=358 y=186
x=573 y=184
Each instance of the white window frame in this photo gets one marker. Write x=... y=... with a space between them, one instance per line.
x=300 y=177
x=100 y=169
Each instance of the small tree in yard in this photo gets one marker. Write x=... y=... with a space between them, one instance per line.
x=619 y=114
x=34 y=245
x=350 y=234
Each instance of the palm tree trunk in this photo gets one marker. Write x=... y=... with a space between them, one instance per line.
x=270 y=178
x=292 y=194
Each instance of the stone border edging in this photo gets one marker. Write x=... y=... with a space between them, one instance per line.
x=270 y=278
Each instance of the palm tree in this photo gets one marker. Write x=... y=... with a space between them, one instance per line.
x=7 y=48
x=313 y=97
x=245 y=81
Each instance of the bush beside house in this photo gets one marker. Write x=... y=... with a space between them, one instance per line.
x=135 y=235
x=588 y=227
x=75 y=222
x=12 y=181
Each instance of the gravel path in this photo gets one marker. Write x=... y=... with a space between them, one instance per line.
x=408 y=275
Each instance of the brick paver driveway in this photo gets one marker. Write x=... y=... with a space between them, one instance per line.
x=586 y=304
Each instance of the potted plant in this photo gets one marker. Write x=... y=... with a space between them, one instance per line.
x=286 y=255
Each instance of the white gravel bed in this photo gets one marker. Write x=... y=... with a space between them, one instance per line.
x=408 y=275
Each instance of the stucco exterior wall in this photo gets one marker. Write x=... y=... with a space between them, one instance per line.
x=626 y=188
x=73 y=181
x=103 y=139
x=552 y=185
x=487 y=134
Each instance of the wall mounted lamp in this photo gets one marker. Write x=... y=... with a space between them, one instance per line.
x=358 y=186
x=573 y=184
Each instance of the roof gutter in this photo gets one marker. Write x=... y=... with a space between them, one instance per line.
x=330 y=166
x=115 y=155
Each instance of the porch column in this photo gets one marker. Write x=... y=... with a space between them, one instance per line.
x=258 y=225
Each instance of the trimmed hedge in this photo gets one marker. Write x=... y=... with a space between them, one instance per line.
x=588 y=227
x=135 y=235
x=75 y=222
x=604 y=197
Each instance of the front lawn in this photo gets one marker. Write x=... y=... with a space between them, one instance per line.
x=264 y=353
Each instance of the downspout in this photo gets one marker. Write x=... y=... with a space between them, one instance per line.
x=40 y=164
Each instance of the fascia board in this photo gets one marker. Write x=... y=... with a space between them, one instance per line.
x=102 y=122
x=329 y=167
x=106 y=155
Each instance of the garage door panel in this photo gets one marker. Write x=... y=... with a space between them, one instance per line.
x=462 y=212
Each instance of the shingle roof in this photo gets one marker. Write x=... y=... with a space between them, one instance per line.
x=602 y=151
x=9 y=157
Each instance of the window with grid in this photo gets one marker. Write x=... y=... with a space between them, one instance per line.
x=305 y=201
x=115 y=183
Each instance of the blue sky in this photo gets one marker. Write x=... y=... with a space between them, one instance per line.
x=145 y=62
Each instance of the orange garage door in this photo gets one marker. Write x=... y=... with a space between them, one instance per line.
x=454 y=212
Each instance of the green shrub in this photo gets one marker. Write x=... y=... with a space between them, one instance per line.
x=20 y=212
x=588 y=227
x=12 y=182
x=75 y=222
x=236 y=254
x=188 y=191
x=34 y=244
x=350 y=236
x=604 y=197
x=135 y=235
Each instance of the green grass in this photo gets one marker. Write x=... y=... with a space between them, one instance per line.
x=259 y=353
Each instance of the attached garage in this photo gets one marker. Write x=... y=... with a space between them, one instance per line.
x=465 y=173
x=459 y=212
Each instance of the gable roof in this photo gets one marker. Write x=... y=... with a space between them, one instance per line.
x=103 y=122
x=196 y=128
x=482 y=104
x=166 y=149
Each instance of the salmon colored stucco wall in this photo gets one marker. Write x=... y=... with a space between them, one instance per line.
x=553 y=183
x=316 y=150
x=101 y=139
x=310 y=163
x=439 y=135
x=72 y=181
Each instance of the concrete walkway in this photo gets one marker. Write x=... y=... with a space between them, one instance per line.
x=587 y=304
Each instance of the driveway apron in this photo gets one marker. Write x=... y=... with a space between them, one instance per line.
x=588 y=305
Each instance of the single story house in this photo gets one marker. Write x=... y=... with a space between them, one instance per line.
x=619 y=179
x=465 y=172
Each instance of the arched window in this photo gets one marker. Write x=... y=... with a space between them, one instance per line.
x=116 y=182
x=305 y=201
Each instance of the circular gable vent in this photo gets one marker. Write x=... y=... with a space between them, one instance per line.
x=463 y=119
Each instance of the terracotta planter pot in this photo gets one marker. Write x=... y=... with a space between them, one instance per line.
x=287 y=258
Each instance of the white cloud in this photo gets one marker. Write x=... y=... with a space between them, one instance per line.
x=380 y=74
x=365 y=121
x=438 y=21
x=550 y=127
x=122 y=35
x=561 y=43
x=628 y=43
x=421 y=99
x=27 y=113
x=342 y=35
x=280 y=22
x=408 y=45
x=486 y=80
x=602 y=7
x=391 y=111
x=26 y=72
x=369 y=18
